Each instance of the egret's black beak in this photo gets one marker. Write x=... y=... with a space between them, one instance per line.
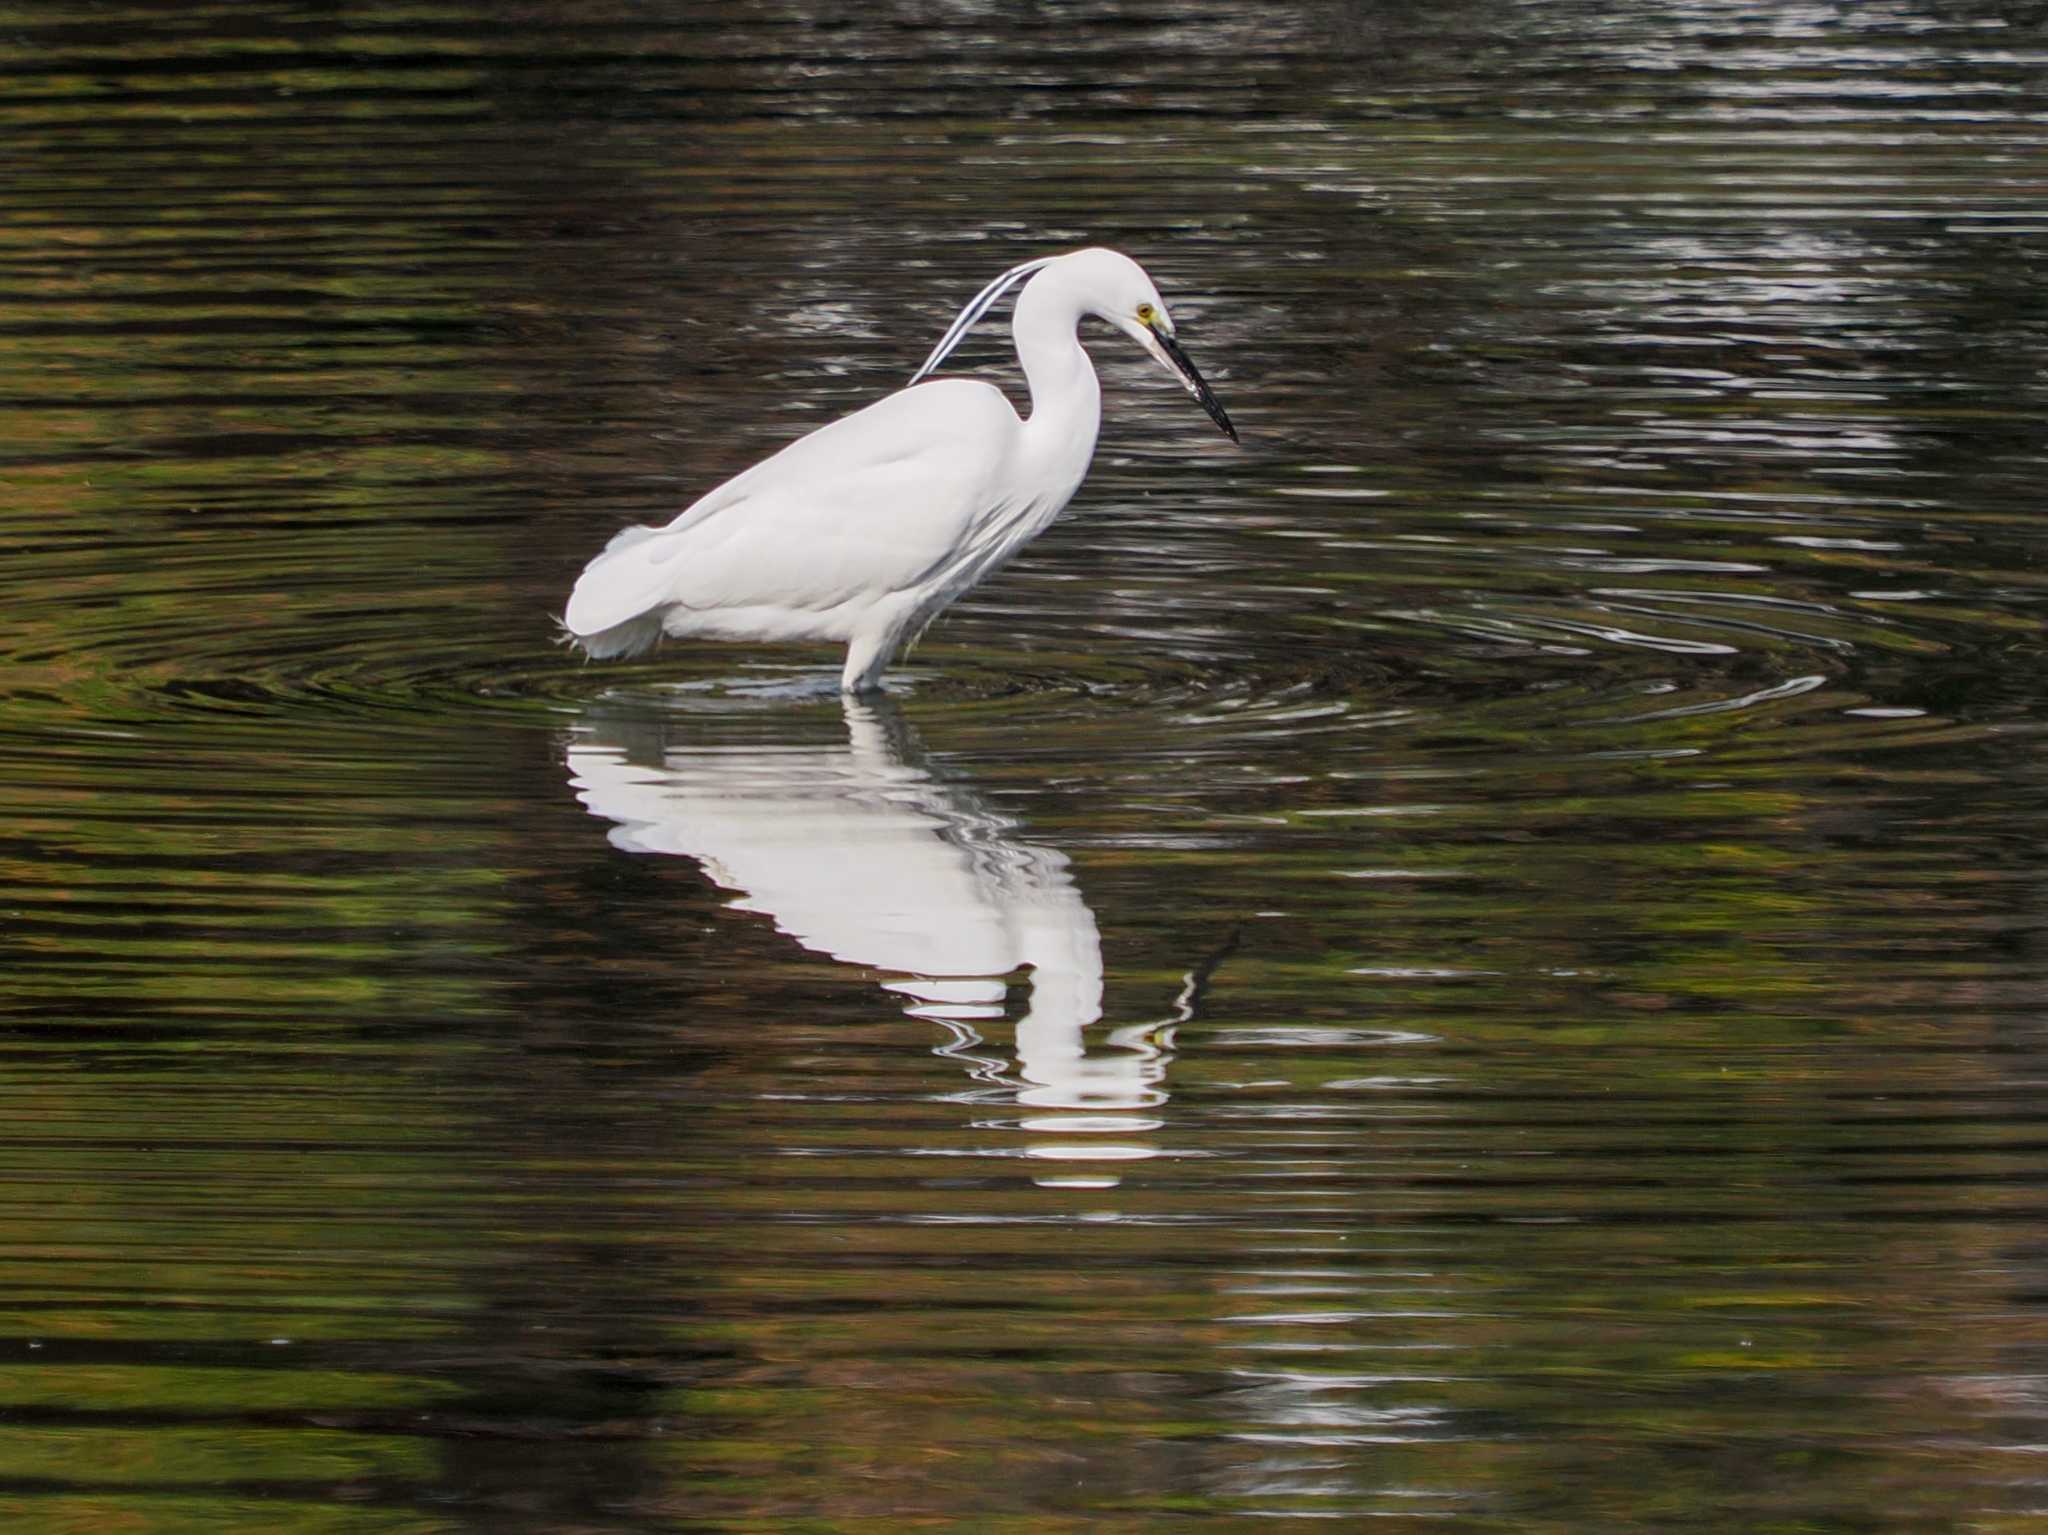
x=1169 y=352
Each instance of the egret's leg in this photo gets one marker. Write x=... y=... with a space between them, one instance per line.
x=866 y=655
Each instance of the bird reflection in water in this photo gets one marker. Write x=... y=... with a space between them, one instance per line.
x=861 y=852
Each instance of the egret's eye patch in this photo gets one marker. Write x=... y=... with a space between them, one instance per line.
x=1147 y=314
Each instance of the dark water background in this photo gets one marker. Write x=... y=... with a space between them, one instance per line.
x=1478 y=963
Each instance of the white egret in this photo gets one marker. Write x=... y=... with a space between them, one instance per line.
x=866 y=529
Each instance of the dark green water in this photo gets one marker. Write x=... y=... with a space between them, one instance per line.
x=1477 y=964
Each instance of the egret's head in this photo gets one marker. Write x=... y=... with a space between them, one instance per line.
x=1100 y=282
x=1115 y=288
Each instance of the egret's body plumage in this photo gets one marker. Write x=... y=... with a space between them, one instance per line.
x=864 y=530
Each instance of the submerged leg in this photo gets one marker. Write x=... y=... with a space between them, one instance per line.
x=866 y=656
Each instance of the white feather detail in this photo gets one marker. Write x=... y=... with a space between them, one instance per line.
x=977 y=306
x=806 y=542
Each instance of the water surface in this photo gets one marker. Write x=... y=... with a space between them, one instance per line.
x=1477 y=961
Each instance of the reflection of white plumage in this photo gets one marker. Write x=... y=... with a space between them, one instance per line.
x=866 y=529
x=858 y=852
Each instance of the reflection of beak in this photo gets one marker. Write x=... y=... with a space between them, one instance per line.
x=1166 y=351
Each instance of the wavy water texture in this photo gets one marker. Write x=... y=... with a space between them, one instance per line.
x=1478 y=960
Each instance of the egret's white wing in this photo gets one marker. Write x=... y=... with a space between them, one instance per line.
x=864 y=507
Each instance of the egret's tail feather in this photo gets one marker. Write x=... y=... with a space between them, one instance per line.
x=631 y=638
x=617 y=606
x=626 y=538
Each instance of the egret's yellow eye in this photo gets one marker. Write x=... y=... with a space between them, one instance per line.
x=1147 y=314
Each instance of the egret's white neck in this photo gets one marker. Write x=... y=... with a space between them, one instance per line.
x=1066 y=400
